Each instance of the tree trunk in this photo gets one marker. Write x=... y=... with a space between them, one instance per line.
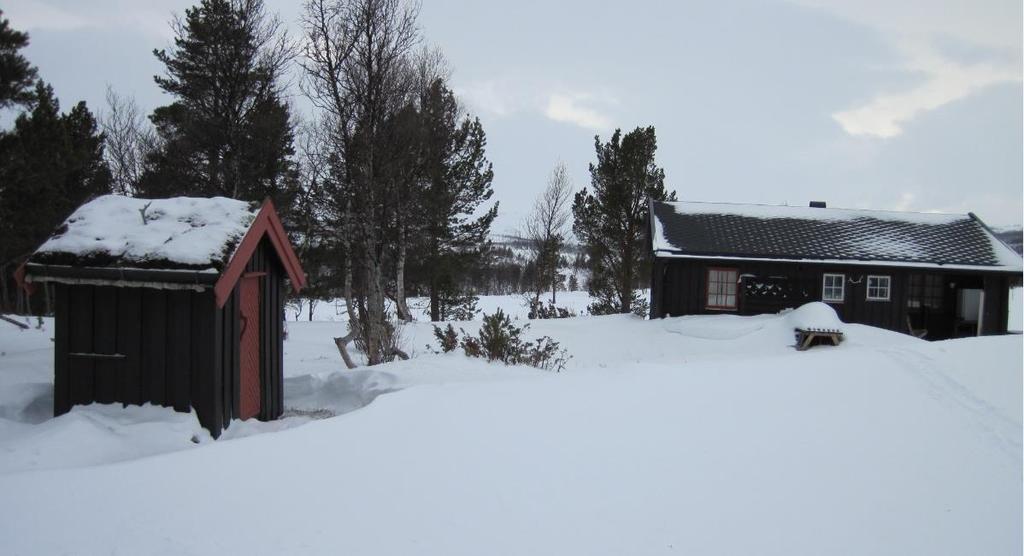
x=375 y=315
x=342 y=342
x=435 y=308
x=400 y=306
x=554 y=285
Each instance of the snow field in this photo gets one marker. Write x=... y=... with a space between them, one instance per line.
x=706 y=435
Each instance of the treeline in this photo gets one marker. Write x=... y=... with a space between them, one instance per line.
x=385 y=186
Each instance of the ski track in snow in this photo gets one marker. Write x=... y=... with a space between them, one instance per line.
x=1005 y=433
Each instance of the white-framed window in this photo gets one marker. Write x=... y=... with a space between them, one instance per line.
x=833 y=288
x=722 y=288
x=878 y=288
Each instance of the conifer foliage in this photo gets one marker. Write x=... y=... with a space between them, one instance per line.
x=49 y=164
x=228 y=132
x=611 y=218
x=16 y=74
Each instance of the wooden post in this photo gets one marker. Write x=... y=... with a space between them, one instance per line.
x=981 y=311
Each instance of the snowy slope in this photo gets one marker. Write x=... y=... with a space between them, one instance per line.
x=706 y=435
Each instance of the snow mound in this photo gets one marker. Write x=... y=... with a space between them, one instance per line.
x=98 y=434
x=184 y=230
x=815 y=315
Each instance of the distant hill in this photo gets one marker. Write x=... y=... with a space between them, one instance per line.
x=1014 y=237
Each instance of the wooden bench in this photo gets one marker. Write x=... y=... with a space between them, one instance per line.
x=805 y=338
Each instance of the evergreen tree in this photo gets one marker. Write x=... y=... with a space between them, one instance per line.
x=611 y=219
x=49 y=165
x=456 y=182
x=228 y=132
x=16 y=74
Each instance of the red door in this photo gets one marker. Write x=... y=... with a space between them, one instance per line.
x=249 y=381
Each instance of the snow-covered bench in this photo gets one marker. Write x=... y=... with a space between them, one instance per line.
x=806 y=338
x=815 y=323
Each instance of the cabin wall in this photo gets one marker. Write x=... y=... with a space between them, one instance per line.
x=678 y=287
x=136 y=345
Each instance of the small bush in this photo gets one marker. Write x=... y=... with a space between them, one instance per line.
x=538 y=310
x=448 y=338
x=500 y=340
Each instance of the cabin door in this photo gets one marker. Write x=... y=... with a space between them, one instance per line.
x=249 y=350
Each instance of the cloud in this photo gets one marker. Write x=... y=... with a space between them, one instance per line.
x=57 y=15
x=568 y=108
x=945 y=81
x=919 y=30
x=507 y=96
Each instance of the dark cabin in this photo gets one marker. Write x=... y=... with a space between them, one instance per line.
x=935 y=276
x=175 y=302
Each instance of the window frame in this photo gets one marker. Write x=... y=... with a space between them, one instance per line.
x=888 y=287
x=842 y=287
x=735 y=284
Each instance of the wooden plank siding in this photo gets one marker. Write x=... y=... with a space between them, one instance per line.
x=136 y=346
x=172 y=348
x=678 y=288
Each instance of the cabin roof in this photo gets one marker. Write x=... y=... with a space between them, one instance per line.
x=850 y=236
x=180 y=233
x=117 y=239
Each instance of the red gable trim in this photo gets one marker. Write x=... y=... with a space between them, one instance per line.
x=19 y=278
x=267 y=223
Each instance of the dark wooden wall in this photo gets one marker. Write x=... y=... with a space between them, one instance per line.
x=678 y=288
x=135 y=345
x=167 y=347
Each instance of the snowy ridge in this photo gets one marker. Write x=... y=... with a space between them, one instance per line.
x=188 y=231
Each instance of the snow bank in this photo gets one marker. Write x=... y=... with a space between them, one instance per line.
x=185 y=230
x=99 y=434
x=664 y=436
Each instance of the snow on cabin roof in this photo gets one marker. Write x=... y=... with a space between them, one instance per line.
x=726 y=230
x=178 y=233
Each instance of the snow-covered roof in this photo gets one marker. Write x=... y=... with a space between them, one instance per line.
x=125 y=232
x=766 y=232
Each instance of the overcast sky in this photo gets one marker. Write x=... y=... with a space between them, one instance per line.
x=913 y=105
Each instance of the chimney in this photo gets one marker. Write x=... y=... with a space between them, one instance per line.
x=818 y=204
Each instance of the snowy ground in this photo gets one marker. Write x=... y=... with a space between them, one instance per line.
x=707 y=435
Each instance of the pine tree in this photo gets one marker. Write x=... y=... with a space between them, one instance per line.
x=16 y=74
x=49 y=165
x=456 y=183
x=228 y=132
x=610 y=220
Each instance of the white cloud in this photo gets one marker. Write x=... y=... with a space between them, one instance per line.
x=915 y=27
x=569 y=108
x=945 y=81
x=507 y=96
x=54 y=15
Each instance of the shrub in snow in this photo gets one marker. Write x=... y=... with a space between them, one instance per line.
x=638 y=305
x=540 y=310
x=448 y=338
x=500 y=340
x=391 y=345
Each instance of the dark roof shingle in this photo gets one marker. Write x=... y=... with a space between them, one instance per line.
x=799 y=233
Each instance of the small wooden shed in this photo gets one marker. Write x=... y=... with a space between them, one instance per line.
x=176 y=302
